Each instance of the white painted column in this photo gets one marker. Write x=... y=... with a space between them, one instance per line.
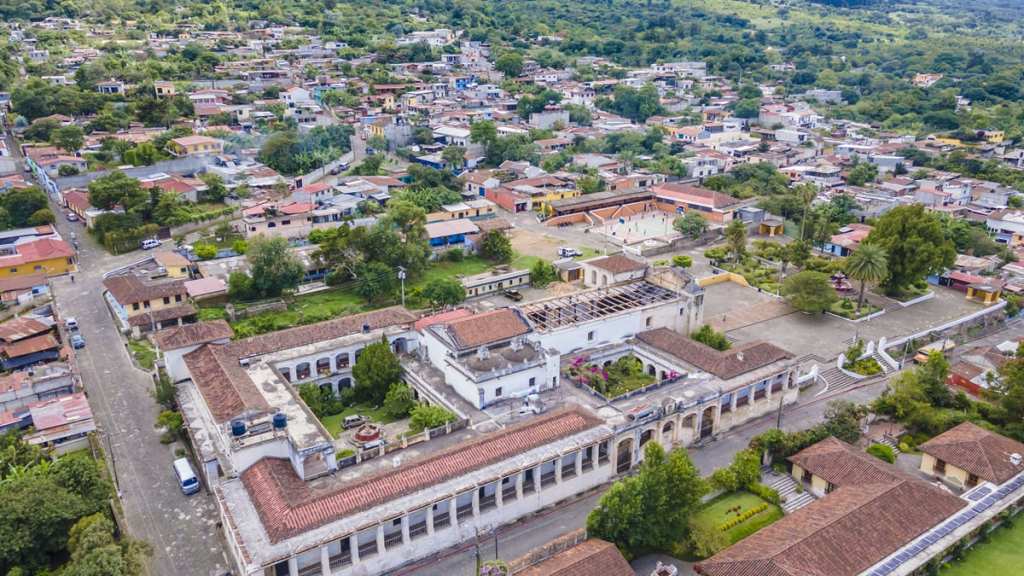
x=498 y=498
x=325 y=560
x=430 y=520
x=353 y=547
x=579 y=462
x=476 y=502
x=293 y=566
x=519 y=484
x=406 y=538
x=558 y=471
x=453 y=514
x=381 y=549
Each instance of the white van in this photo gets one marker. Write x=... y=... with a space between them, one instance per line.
x=187 y=480
x=150 y=243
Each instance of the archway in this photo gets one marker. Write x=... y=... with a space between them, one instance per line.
x=707 y=422
x=624 y=458
x=666 y=433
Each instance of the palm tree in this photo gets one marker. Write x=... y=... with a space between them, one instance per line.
x=868 y=263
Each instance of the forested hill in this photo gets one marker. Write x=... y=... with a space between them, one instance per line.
x=869 y=50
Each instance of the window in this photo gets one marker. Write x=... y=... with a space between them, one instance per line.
x=285 y=222
x=590 y=336
x=38 y=268
x=167 y=300
x=145 y=304
x=302 y=371
x=497 y=392
x=14 y=270
x=649 y=321
x=135 y=306
x=177 y=297
x=271 y=224
x=533 y=382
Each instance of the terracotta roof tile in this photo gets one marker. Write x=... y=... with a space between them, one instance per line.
x=486 y=328
x=976 y=450
x=617 y=264
x=593 y=557
x=725 y=365
x=841 y=464
x=23 y=327
x=192 y=334
x=288 y=506
x=842 y=534
x=129 y=289
x=162 y=315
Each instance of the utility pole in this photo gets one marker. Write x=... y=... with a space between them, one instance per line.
x=401 y=277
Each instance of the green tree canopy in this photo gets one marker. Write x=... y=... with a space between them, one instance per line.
x=375 y=371
x=915 y=244
x=809 y=291
x=273 y=266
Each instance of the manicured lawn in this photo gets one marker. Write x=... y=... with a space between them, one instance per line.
x=1002 y=554
x=144 y=354
x=333 y=422
x=622 y=385
x=717 y=511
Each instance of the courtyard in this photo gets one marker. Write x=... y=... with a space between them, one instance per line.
x=751 y=315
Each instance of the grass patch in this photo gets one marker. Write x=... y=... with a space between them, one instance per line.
x=143 y=353
x=865 y=367
x=333 y=422
x=1002 y=554
x=756 y=274
x=724 y=508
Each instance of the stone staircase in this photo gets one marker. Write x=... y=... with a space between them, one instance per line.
x=786 y=486
x=836 y=379
x=891 y=443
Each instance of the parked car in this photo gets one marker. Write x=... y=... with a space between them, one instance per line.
x=77 y=341
x=567 y=252
x=72 y=217
x=71 y=324
x=187 y=480
x=149 y=244
x=353 y=421
x=513 y=294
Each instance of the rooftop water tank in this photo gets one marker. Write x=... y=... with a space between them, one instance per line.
x=237 y=428
x=280 y=421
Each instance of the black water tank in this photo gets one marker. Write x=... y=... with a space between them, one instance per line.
x=237 y=428
x=280 y=420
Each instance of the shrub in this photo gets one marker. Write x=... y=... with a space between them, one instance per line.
x=682 y=261
x=765 y=492
x=707 y=335
x=705 y=541
x=455 y=255
x=399 y=400
x=425 y=417
x=882 y=452
x=205 y=251
x=743 y=517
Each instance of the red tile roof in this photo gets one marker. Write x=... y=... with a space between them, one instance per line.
x=192 y=334
x=841 y=464
x=129 y=289
x=23 y=327
x=978 y=451
x=31 y=346
x=37 y=251
x=592 y=557
x=842 y=534
x=288 y=506
x=618 y=264
x=725 y=365
x=486 y=328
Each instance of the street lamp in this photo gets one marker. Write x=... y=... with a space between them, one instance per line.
x=401 y=277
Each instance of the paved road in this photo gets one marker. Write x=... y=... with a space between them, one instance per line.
x=181 y=529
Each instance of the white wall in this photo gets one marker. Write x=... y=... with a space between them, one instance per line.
x=611 y=329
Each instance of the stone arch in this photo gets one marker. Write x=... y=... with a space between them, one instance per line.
x=651 y=370
x=707 y=422
x=668 y=433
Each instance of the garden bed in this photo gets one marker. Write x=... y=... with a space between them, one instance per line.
x=620 y=377
x=755 y=273
x=740 y=513
x=847 y=308
x=376 y=415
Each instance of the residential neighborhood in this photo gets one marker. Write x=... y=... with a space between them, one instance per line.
x=521 y=288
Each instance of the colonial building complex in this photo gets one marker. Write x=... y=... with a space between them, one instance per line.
x=527 y=435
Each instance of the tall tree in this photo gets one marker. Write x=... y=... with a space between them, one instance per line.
x=736 y=237
x=809 y=291
x=650 y=511
x=273 y=266
x=915 y=244
x=866 y=264
x=376 y=369
x=691 y=224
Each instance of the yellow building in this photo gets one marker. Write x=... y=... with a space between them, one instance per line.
x=46 y=255
x=175 y=264
x=195 y=146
